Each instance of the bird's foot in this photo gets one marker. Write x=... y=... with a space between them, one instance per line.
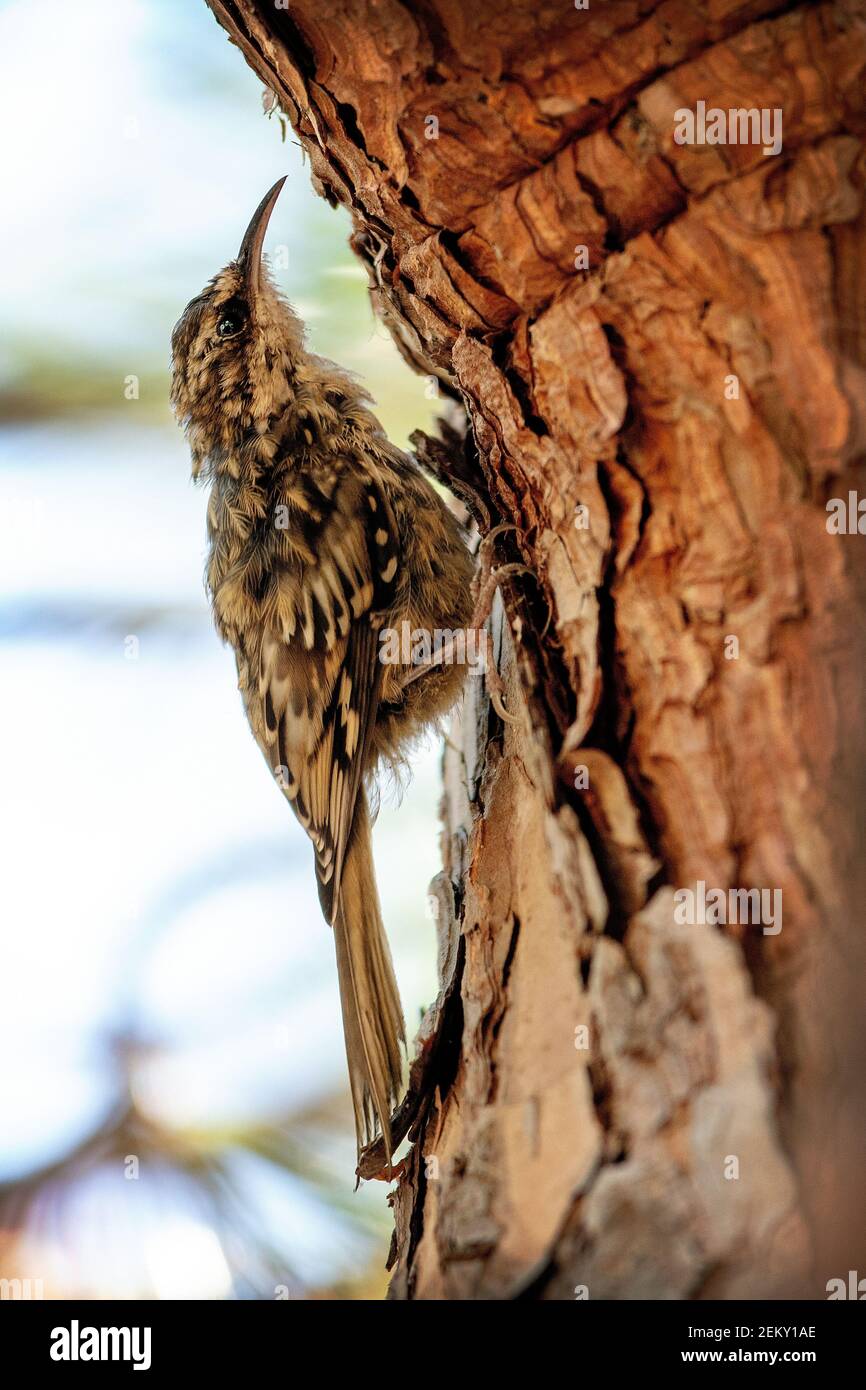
x=487 y=580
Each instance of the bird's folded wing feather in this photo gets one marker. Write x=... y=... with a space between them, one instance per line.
x=314 y=697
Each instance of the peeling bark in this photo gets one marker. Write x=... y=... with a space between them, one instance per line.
x=646 y=757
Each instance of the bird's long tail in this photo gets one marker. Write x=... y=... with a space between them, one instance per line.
x=372 y=1016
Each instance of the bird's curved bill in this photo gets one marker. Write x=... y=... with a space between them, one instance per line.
x=250 y=254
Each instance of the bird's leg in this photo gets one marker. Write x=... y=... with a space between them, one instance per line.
x=487 y=580
x=445 y=656
x=485 y=584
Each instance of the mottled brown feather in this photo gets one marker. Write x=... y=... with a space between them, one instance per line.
x=320 y=532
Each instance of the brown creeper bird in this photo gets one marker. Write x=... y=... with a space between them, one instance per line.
x=321 y=534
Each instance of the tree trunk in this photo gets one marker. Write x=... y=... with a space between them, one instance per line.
x=661 y=350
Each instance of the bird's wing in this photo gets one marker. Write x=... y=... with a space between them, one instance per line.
x=317 y=687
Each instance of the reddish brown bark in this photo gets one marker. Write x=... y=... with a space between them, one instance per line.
x=540 y=1165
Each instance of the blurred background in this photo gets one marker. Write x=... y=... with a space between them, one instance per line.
x=174 y=1116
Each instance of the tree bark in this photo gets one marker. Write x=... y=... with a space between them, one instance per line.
x=620 y=1104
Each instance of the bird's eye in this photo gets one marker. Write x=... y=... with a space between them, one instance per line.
x=231 y=320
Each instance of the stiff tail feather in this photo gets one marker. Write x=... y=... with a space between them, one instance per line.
x=372 y=1015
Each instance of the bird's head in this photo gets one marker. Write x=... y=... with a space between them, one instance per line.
x=233 y=353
